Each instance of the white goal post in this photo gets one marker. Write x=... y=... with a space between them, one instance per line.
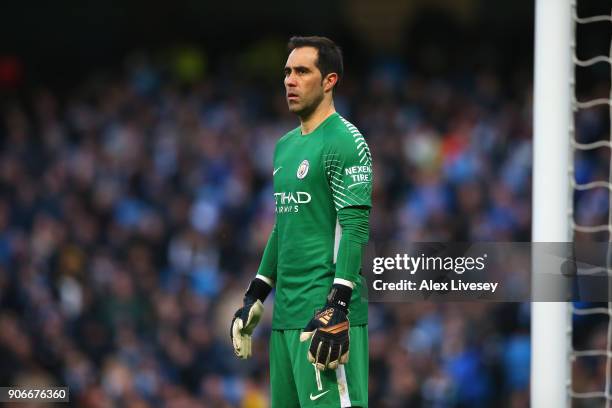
x=552 y=121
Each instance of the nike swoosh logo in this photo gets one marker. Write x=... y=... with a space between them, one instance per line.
x=316 y=397
x=276 y=170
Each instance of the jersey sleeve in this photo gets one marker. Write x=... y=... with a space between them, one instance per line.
x=269 y=259
x=355 y=232
x=348 y=167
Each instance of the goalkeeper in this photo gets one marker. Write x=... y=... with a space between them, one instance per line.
x=322 y=191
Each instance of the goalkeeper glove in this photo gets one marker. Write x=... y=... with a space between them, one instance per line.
x=248 y=316
x=329 y=330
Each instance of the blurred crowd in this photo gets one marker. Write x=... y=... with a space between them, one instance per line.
x=134 y=210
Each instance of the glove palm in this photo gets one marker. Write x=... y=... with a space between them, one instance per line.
x=329 y=334
x=244 y=322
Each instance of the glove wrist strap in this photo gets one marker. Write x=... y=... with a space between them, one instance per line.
x=340 y=297
x=258 y=290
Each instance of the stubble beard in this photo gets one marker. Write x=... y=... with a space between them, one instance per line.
x=307 y=110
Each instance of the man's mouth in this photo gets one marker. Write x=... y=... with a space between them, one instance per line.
x=292 y=96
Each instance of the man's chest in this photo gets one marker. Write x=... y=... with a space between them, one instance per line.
x=300 y=182
x=299 y=166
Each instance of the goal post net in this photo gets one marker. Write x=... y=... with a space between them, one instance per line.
x=555 y=185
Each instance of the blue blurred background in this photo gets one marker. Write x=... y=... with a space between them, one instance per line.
x=136 y=146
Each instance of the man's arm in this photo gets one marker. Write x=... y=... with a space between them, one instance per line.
x=329 y=328
x=355 y=233
x=248 y=316
x=269 y=259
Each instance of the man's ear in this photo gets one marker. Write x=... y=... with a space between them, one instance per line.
x=330 y=81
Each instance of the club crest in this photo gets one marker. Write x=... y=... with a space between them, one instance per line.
x=303 y=169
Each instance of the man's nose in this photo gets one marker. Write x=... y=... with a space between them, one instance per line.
x=290 y=80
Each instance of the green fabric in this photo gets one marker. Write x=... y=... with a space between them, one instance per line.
x=354 y=222
x=315 y=176
x=293 y=379
x=268 y=264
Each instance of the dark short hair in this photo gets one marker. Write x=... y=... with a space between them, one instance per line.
x=329 y=54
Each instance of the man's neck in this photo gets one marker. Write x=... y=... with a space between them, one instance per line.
x=322 y=112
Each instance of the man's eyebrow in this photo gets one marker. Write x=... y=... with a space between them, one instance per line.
x=302 y=67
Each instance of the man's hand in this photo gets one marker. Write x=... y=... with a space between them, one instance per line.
x=246 y=318
x=329 y=330
x=244 y=321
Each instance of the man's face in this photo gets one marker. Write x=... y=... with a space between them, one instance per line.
x=303 y=81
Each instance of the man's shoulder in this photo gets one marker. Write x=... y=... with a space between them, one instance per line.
x=344 y=134
x=288 y=135
x=342 y=127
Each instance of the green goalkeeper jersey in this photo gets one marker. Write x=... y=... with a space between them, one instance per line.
x=316 y=175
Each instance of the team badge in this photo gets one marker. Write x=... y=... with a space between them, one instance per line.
x=303 y=169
